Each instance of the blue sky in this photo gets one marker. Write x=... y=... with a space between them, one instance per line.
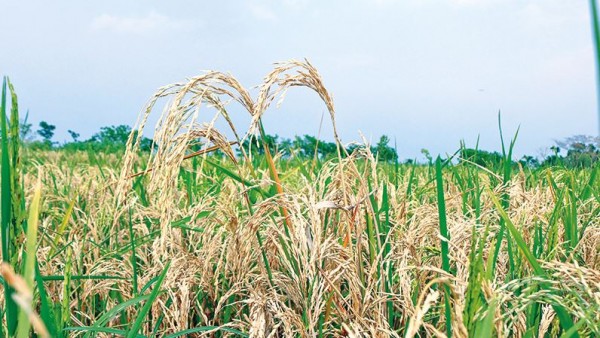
x=427 y=72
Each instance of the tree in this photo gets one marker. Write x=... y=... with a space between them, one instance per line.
x=384 y=152
x=117 y=137
x=112 y=135
x=307 y=145
x=46 y=131
x=74 y=135
x=581 y=151
x=529 y=161
x=482 y=158
x=427 y=155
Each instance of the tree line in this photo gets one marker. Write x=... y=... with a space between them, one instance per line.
x=112 y=138
x=578 y=151
x=109 y=138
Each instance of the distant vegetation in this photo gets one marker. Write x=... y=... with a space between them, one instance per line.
x=580 y=151
x=109 y=138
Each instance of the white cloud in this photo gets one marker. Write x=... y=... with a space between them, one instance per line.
x=568 y=67
x=354 y=60
x=296 y=3
x=462 y=3
x=153 y=21
x=473 y=2
x=261 y=12
x=554 y=13
x=385 y=2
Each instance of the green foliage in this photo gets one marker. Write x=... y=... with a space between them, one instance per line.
x=444 y=238
x=109 y=139
x=46 y=131
x=383 y=150
x=529 y=161
x=117 y=135
x=12 y=214
x=74 y=135
x=483 y=158
x=253 y=145
x=309 y=147
x=581 y=152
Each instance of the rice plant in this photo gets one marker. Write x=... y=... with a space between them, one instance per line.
x=180 y=242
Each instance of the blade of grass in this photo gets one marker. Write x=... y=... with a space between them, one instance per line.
x=6 y=214
x=62 y=227
x=445 y=238
x=133 y=256
x=92 y=329
x=565 y=320
x=275 y=176
x=46 y=305
x=54 y=278
x=110 y=314
x=66 y=296
x=133 y=332
x=486 y=326
x=30 y=250
x=206 y=329
x=506 y=176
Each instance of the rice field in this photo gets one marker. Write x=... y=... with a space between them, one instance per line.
x=178 y=242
